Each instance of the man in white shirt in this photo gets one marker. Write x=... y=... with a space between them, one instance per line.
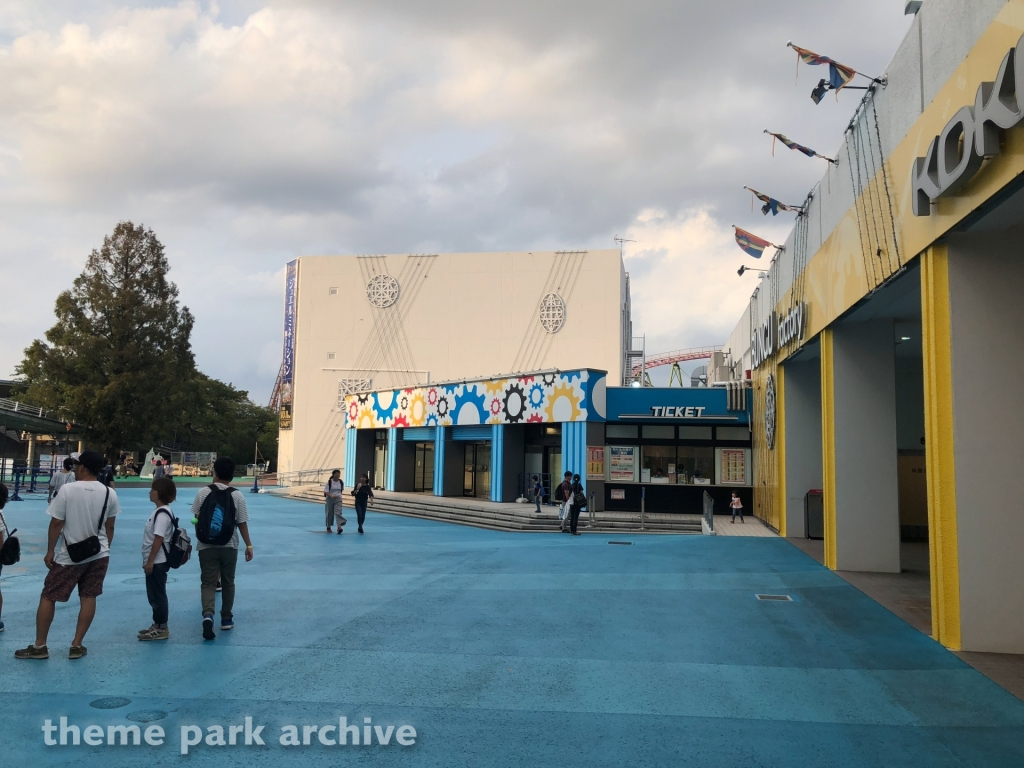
x=83 y=509
x=217 y=561
x=59 y=479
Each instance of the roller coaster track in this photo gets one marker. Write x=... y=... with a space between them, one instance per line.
x=679 y=356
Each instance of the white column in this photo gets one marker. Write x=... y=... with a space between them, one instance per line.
x=866 y=482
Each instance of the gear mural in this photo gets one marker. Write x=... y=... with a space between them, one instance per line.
x=514 y=404
x=546 y=398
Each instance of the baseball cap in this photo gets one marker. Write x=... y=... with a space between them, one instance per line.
x=92 y=461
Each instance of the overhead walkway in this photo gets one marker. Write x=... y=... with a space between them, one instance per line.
x=28 y=418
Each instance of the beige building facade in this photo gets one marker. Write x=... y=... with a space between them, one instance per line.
x=363 y=323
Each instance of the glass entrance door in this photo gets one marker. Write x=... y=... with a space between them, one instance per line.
x=477 y=474
x=423 y=477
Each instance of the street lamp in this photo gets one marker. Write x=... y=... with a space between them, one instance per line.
x=761 y=274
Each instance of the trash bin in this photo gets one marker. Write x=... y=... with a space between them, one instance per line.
x=814 y=514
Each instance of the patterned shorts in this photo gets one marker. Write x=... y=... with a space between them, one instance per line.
x=88 y=577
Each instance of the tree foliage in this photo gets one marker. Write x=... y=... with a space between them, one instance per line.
x=223 y=419
x=118 y=360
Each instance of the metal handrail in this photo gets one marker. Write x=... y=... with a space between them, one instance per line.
x=14 y=405
x=709 y=511
x=303 y=476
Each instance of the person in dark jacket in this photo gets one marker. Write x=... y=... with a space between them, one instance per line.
x=579 y=501
x=363 y=493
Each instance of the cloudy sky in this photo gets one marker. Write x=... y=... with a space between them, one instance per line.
x=248 y=133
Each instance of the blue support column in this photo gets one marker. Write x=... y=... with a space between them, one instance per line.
x=497 y=462
x=439 y=462
x=574 y=450
x=350 y=457
x=389 y=473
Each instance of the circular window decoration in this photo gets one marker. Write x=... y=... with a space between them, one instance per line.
x=552 y=312
x=769 y=411
x=382 y=291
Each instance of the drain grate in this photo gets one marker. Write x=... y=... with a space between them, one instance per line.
x=624 y=543
x=776 y=598
x=111 y=702
x=147 y=715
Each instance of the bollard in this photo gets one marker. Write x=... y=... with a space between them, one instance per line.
x=643 y=506
x=590 y=522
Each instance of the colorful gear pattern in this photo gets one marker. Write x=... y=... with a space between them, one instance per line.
x=536 y=396
x=495 y=387
x=559 y=392
x=417 y=409
x=514 y=404
x=530 y=399
x=470 y=396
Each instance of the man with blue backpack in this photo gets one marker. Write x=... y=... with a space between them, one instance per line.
x=220 y=515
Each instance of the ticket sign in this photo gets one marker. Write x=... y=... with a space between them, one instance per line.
x=595 y=462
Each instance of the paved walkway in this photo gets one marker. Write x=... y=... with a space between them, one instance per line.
x=501 y=650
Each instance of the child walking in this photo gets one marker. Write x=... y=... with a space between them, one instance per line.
x=737 y=506
x=159 y=529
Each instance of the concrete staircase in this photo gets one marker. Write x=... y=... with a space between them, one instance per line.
x=502 y=517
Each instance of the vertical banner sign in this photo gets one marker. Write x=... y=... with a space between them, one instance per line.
x=595 y=462
x=291 y=290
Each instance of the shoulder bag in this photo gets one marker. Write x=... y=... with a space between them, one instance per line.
x=86 y=548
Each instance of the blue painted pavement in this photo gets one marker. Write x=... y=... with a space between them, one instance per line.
x=500 y=650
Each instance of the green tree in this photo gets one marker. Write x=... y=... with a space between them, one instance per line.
x=118 y=360
x=223 y=419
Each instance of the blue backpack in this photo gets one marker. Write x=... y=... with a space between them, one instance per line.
x=215 y=523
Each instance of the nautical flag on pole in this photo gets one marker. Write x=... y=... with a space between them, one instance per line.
x=793 y=145
x=840 y=75
x=752 y=245
x=772 y=205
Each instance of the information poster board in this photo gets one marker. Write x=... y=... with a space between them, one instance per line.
x=733 y=466
x=595 y=462
x=622 y=463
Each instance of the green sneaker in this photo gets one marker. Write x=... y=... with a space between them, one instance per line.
x=154 y=633
x=77 y=651
x=32 y=653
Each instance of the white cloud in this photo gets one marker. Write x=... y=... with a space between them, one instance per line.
x=246 y=134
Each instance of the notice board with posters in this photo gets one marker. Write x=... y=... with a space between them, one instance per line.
x=622 y=463
x=733 y=466
x=595 y=462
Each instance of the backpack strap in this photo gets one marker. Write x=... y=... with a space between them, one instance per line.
x=174 y=526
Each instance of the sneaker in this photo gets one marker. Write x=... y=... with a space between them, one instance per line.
x=219 y=587
x=150 y=628
x=32 y=653
x=208 y=633
x=77 y=651
x=360 y=530
x=227 y=622
x=2 y=627
x=155 y=633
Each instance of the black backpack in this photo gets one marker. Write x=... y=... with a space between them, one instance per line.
x=178 y=549
x=216 y=520
x=10 y=552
